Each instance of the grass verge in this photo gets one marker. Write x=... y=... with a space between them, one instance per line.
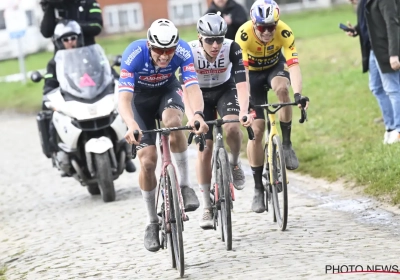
x=3 y=271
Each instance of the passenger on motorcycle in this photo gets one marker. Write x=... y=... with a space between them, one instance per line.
x=149 y=89
x=67 y=35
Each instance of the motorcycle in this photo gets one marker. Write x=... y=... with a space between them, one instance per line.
x=85 y=128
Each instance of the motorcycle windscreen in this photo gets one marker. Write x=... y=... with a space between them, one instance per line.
x=83 y=72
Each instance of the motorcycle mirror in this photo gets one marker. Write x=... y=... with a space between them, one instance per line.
x=36 y=76
x=117 y=60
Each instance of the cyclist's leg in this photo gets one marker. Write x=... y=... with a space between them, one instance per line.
x=203 y=162
x=145 y=107
x=280 y=83
x=228 y=108
x=171 y=109
x=255 y=151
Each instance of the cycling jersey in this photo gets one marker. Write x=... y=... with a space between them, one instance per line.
x=137 y=69
x=258 y=56
x=218 y=72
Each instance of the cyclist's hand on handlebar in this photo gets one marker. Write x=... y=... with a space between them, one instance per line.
x=249 y=120
x=301 y=101
x=203 y=126
x=129 y=135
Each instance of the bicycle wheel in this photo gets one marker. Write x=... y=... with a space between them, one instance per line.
x=279 y=184
x=225 y=196
x=166 y=240
x=265 y=179
x=176 y=221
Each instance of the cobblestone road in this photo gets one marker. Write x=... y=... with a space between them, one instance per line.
x=51 y=228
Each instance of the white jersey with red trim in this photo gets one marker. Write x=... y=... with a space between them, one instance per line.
x=212 y=74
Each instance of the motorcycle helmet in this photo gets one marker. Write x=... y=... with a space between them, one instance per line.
x=65 y=29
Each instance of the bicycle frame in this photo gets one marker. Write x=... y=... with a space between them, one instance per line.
x=219 y=143
x=271 y=125
x=165 y=161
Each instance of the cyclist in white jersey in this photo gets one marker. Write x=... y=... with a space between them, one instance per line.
x=214 y=56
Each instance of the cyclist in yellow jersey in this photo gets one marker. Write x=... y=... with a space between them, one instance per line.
x=262 y=39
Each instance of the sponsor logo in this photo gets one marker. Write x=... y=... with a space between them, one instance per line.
x=211 y=71
x=286 y=33
x=189 y=68
x=183 y=53
x=155 y=78
x=244 y=36
x=240 y=51
x=128 y=61
x=125 y=74
x=294 y=54
x=270 y=47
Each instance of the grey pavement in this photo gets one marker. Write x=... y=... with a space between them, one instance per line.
x=51 y=228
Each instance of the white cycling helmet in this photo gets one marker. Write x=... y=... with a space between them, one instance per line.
x=163 y=34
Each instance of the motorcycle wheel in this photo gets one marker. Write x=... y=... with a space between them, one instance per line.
x=104 y=176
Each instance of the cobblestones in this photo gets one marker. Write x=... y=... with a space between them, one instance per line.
x=51 y=228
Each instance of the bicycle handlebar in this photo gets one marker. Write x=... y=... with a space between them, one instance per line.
x=165 y=129
x=219 y=122
x=278 y=106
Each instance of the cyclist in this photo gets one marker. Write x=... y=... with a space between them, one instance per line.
x=214 y=57
x=148 y=89
x=261 y=40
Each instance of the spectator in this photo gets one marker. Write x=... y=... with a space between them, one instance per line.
x=382 y=19
x=233 y=13
x=379 y=85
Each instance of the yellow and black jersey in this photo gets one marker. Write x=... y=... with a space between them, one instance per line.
x=258 y=56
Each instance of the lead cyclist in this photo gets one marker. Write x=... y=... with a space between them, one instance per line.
x=148 y=89
x=270 y=58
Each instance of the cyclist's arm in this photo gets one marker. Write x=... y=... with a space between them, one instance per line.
x=125 y=108
x=292 y=62
x=245 y=58
x=193 y=100
x=192 y=95
x=126 y=86
x=235 y=56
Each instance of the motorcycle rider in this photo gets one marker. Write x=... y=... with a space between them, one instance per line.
x=67 y=35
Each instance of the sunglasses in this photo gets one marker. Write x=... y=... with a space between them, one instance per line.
x=161 y=51
x=69 y=38
x=211 y=40
x=263 y=28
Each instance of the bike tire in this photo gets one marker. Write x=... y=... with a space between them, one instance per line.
x=104 y=176
x=168 y=242
x=177 y=226
x=278 y=162
x=226 y=195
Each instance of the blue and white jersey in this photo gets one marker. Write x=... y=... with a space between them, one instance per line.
x=137 y=69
